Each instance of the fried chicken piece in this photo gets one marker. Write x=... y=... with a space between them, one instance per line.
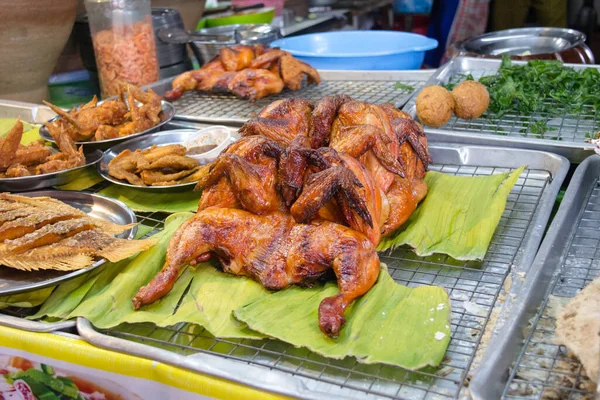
x=17 y=171
x=9 y=146
x=237 y=57
x=34 y=153
x=275 y=251
x=124 y=166
x=292 y=72
x=323 y=116
x=155 y=153
x=281 y=121
x=69 y=156
x=254 y=84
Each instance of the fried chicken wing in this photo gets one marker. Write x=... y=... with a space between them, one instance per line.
x=9 y=146
x=254 y=84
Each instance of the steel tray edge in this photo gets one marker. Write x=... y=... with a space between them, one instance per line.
x=526 y=295
x=574 y=152
x=34 y=326
x=29 y=112
x=249 y=375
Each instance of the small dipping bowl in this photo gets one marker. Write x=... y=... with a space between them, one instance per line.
x=206 y=144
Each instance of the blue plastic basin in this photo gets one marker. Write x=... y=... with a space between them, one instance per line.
x=359 y=50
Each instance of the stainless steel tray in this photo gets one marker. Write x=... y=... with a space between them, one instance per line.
x=36 y=182
x=300 y=373
x=165 y=116
x=371 y=86
x=568 y=259
x=29 y=112
x=512 y=130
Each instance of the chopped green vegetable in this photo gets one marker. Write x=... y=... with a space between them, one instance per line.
x=542 y=86
x=48 y=369
x=403 y=86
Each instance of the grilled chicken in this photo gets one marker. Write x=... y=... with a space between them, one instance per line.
x=250 y=72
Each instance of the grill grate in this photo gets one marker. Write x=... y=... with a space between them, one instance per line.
x=566 y=128
x=473 y=288
x=200 y=107
x=543 y=369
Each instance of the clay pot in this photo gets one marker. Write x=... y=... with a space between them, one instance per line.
x=33 y=34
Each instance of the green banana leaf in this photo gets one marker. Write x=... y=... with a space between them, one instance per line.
x=150 y=201
x=414 y=322
x=86 y=179
x=458 y=216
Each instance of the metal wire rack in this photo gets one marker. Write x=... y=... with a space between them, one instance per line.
x=543 y=369
x=540 y=125
x=472 y=286
x=225 y=108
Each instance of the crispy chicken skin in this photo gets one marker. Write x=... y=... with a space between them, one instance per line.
x=250 y=72
x=274 y=250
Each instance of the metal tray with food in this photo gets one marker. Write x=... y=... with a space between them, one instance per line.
x=380 y=87
x=525 y=358
x=113 y=123
x=13 y=282
x=561 y=131
x=36 y=182
x=473 y=287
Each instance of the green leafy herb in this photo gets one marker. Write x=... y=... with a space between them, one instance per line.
x=403 y=86
x=540 y=127
x=542 y=86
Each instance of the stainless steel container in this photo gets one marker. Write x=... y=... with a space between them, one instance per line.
x=567 y=45
x=205 y=50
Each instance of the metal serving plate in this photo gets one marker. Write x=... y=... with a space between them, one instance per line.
x=512 y=130
x=177 y=136
x=277 y=367
x=13 y=281
x=371 y=86
x=168 y=111
x=568 y=259
x=28 y=112
x=35 y=182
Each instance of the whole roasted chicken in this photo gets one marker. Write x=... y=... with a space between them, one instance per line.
x=250 y=72
x=283 y=208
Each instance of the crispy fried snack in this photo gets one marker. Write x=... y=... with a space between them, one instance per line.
x=111 y=118
x=156 y=166
x=44 y=233
x=17 y=160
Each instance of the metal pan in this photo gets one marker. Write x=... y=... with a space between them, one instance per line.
x=565 y=263
x=177 y=136
x=13 y=281
x=168 y=111
x=568 y=137
x=36 y=182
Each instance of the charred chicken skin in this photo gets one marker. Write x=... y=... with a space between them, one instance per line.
x=280 y=208
x=249 y=72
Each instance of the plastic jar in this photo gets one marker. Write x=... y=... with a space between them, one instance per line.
x=124 y=46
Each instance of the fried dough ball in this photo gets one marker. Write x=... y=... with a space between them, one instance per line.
x=471 y=99
x=434 y=106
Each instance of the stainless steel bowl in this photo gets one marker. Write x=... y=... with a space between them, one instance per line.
x=529 y=43
x=205 y=50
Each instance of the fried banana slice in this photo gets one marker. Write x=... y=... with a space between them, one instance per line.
x=157 y=152
x=151 y=177
x=175 y=162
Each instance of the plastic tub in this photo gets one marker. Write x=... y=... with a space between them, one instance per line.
x=359 y=50
x=218 y=137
